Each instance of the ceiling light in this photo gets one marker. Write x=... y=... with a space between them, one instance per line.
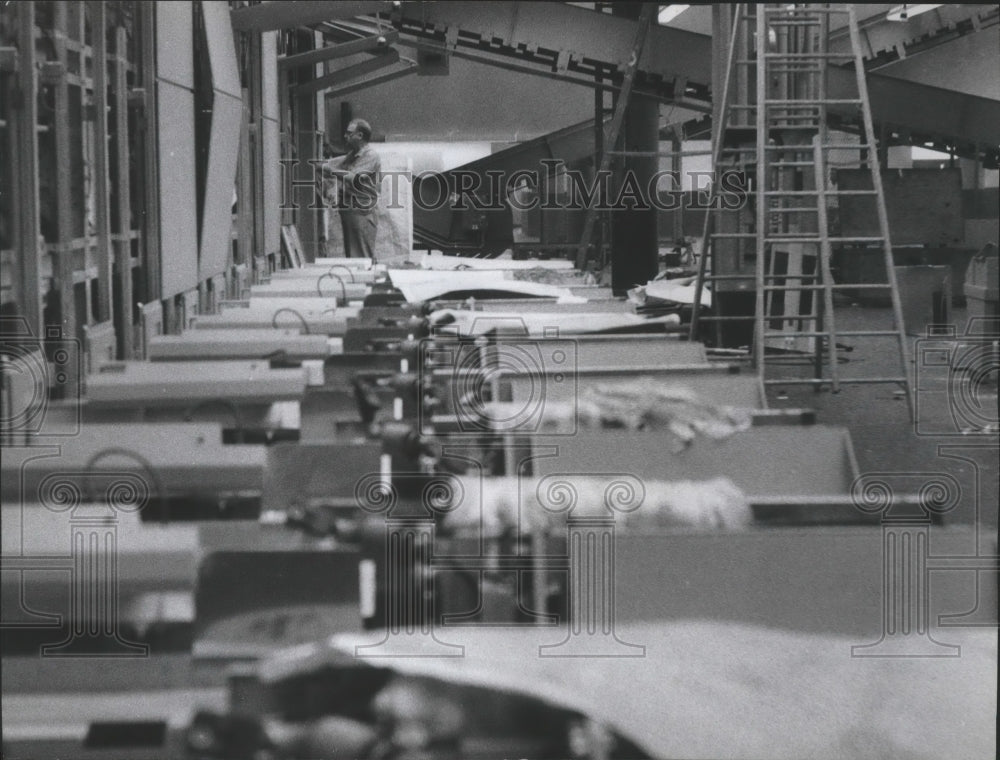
x=906 y=12
x=669 y=12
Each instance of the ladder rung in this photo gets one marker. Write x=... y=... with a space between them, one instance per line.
x=710 y=318
x=792 y=11
x=861 y=286
x=780 y=288
x=804 y=21
x=868 y=333
x=832 y=286
x=817 y=239
x=838 y=334
x=803 y=70
x=809 y=56
x=787 y=164
x=799 y=193
x=735 y=235
x=810 y=146
x=849 y=381
x=817 y=102
x=730 y=276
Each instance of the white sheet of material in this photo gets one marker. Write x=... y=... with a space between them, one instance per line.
x=680 y=291
x=419 y=285
x=471 y=323
x=440 y=262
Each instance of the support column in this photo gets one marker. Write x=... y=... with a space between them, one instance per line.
x=634 y=244
x=26 y=203
x=307 y=218
x=150 y=249
x=63 y=264
x=123 y=194
x=105 y=258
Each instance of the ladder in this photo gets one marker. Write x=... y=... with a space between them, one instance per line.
x=777 y=133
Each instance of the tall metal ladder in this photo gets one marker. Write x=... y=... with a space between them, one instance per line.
x=791 y=265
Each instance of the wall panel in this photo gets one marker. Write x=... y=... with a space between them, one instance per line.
x=224 y=144
x=178 y=208
x=176 y=148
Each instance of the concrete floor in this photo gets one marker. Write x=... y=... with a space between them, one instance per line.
x=941 y=439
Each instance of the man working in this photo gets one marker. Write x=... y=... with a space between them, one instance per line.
x=359 y=173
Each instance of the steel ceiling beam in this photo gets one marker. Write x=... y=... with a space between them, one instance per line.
x=571 y=40
x=365 y=84
x=273 y=15
x=578 y=34
x=340 y=50
x=346 y=74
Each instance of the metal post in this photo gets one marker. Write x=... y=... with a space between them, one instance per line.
x=123 y=187
x=762 y=184
x=245 y=198
x=105 y=258
x=28 y=228
x=150 y=189
x=645 y=18
x=63 y=262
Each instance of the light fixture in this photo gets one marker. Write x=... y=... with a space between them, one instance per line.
x=669 y=12
x=906 y=12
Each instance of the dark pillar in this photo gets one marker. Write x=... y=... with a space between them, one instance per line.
x=633 y=230
x=634 y=244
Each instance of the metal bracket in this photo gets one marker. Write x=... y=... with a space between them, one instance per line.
x=51 y=72
x=562 y=61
